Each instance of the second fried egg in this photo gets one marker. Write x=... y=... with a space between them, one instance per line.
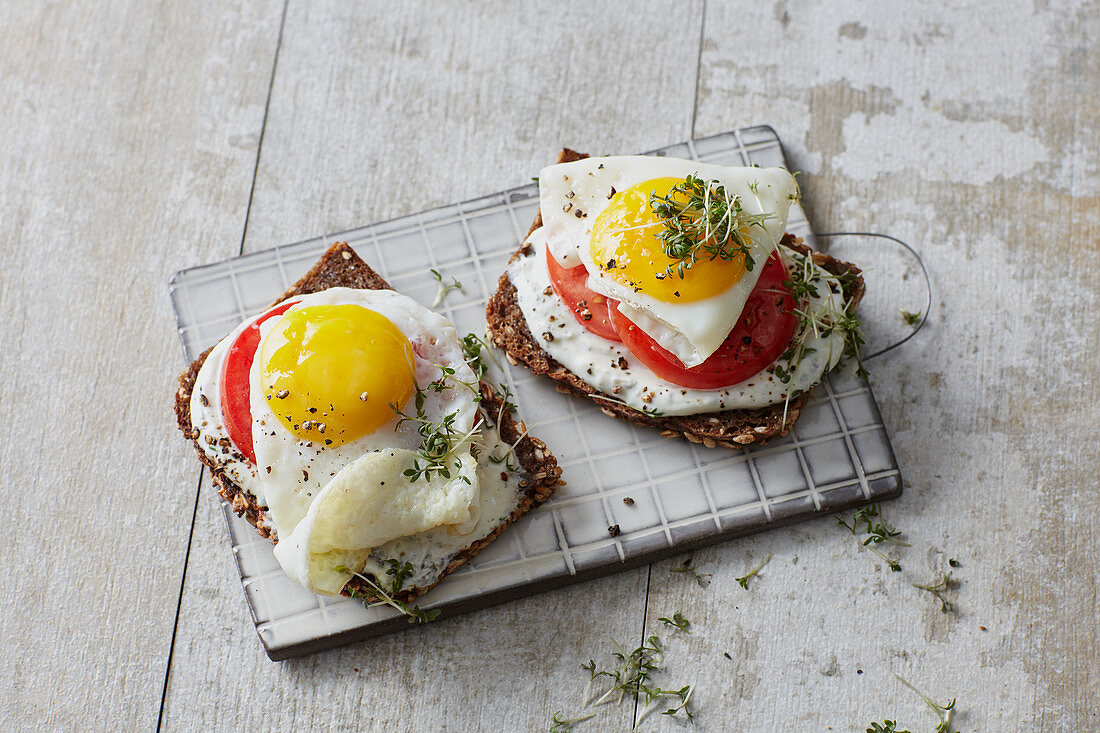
x=603 y=213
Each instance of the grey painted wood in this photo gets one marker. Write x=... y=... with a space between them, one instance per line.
x=384 y=110
x=131 y=138
x=128 y=147
x=449 y=102
x=500 y=667
x=937 y=126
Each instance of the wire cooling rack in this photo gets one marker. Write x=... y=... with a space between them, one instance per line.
x=684 y=495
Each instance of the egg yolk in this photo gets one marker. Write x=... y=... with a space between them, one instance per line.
x=624 y=245
x=331 y=372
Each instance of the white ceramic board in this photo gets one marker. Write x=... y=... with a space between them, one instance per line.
x=685 y=496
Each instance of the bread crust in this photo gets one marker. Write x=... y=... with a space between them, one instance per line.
x=729 y=428
x=340 y=266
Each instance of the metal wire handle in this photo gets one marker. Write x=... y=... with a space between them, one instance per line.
x=923 y=269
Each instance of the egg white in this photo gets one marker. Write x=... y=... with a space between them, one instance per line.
x=484 y=503
x=572 y=196
x=596 y=361
x=299 y=469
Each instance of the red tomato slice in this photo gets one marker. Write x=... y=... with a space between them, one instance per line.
x=589 y=308
x=236 y=400
x=761 y=335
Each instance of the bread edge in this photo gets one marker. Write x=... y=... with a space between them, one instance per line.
x=508 y=330
x=340 y=266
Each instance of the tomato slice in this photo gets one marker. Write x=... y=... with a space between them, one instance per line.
x=236 y=397
x=759 y=337
x=588 y=307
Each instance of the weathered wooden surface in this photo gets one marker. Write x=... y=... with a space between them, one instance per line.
x=478 y=84
x=974 y=135
x=131 y=138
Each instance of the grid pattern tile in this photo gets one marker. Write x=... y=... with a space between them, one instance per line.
x=683 y=495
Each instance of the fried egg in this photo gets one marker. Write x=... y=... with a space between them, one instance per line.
x=334 y=457
x=325 y=382
x=599 y=212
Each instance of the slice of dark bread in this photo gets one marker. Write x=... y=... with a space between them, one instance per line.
x=730 y=428
x=341 y=267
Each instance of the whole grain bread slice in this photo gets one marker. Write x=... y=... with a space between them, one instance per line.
x=729 y=428
x=340 y=266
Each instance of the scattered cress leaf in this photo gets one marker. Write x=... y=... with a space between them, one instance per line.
x=743 y=581
x=565 y=725
x=887 y=726
x=945 y=584
x=677 y=621
x=630 y=678
x=875 y=531
x=689 y=567
x=944 y=712
x=441 y=294
x=440 y=441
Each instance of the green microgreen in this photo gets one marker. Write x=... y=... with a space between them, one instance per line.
x=441 y=442
x=688 y=566
x=743 y=581
x=506 y=459
x=887 y=726
x=444 y=288
x=945 y=584
x=805 y=281
x=506 y=404
x=474 y=350
x=565 y=725
x=509 y=453
x=684 y=696
x=677 y=621
x=398 y=573
x=944 y=712
x=631 y=678
x=876 y=527
x=875 y=531
x=448 y=378
x=700 y=220
x=911 y=319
